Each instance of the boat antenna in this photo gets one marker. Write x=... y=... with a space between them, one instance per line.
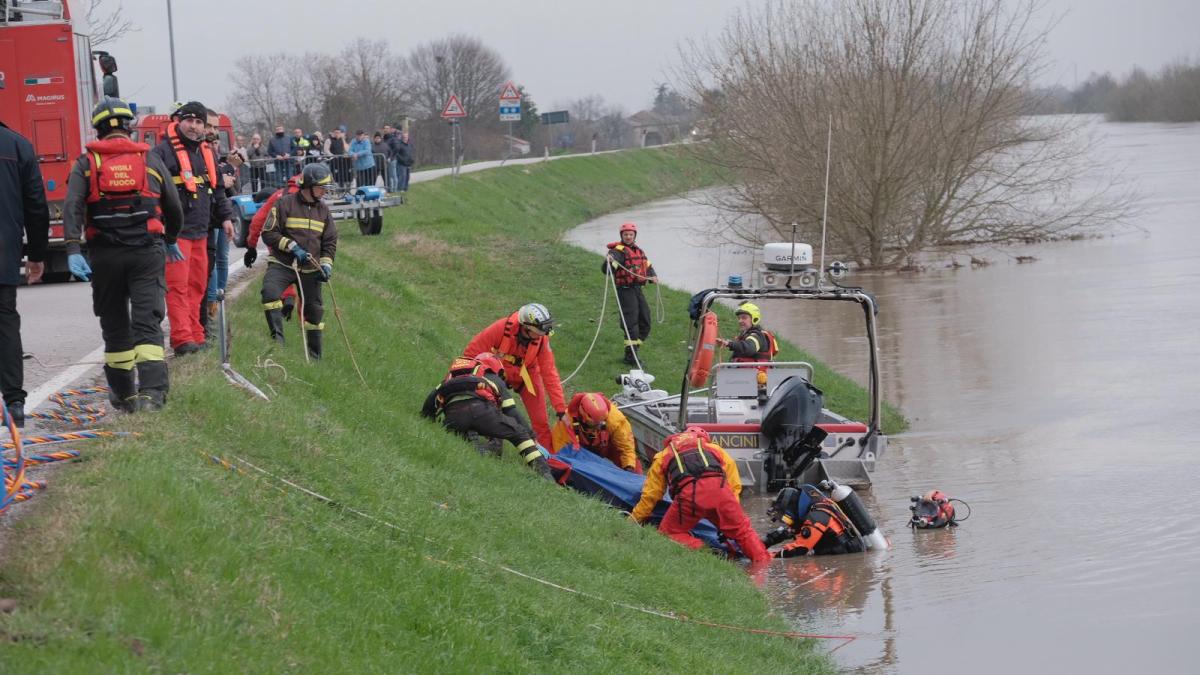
x=825 y=210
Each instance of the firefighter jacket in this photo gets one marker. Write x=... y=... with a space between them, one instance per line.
x=613 y=442
x=100 y=205
x=23 y=209
x=825 y=531
x=676 y=467
x=193 y=169
x=754 y=344
x=260 y=216
x=308 y=223
x=629 y=264
x=528 y=364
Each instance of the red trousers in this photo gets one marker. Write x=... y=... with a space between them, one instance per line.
x=536 y=407
x=186 y=282
x=713 y=500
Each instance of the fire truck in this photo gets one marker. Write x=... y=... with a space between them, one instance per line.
x=48 y=87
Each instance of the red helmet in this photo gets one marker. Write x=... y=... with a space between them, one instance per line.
x=489 y=362
x=700 y=433
x=628 y=227
x=593 y=409
x=690 y=437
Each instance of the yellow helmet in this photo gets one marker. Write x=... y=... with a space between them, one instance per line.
x=750 y=309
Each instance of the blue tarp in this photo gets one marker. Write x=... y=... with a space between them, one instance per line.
x=591 y=474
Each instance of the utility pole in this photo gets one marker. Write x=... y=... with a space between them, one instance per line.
x=171 y=34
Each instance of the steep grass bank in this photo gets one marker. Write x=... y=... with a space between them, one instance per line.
x=146 y=556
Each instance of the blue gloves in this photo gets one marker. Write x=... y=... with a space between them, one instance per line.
x=174 y=254
x=326 y=271
x=79 y=267
x=298 y=251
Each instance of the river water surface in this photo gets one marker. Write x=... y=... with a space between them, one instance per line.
x=1059 y=398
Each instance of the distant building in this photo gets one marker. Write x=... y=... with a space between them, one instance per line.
x=518 y=146
x=651 y=128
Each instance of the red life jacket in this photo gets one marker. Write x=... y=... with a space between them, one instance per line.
x=766 y=353
x=691 y=462
x=516 y=354
x=636 y=267
x=122 y=204
x=186 y=177
x=467 y=376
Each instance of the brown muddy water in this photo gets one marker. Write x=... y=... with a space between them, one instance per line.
x=1059 y=398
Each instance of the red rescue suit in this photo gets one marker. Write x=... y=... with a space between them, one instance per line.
x=260 y=218
x=528 y=369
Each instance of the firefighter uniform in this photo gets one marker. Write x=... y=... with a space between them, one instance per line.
x=193 y=169
x=753 y=345
x=612 y=439
x=117 y=194
x=705 y=485
x=302 y=220
x=473 y=399
x=529 y=368
x=630 y=269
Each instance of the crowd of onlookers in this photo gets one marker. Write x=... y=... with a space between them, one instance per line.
x=384 y=158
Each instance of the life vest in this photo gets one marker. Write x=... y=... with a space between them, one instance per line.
x=517 y=354
x=186 y=178
x=635 y=268
x=467 y=377
x=690 y=463
x=765 y=353
x=121 y=202
x=838 y=534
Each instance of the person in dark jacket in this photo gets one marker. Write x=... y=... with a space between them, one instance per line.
x=405 y=160
x=279 y=147
x=298 y=229
x=192 y=164
x=131 y=232
x=23 y=214
x=631 y=269
x=754 y=343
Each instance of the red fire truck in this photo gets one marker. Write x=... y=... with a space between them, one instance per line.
x=48 y=87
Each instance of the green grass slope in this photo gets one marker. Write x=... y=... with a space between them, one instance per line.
x=144 y=556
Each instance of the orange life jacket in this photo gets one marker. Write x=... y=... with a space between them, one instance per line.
x=467 y=376
x=184 y=158
x=517 y=354
x=121 y=202
x=635 y=267
x=765 y=353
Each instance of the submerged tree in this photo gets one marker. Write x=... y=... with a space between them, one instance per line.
x=926 y=100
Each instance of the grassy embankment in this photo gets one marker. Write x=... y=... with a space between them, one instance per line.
x=145 y=555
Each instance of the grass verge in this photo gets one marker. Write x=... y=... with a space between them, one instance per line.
x=146 y=556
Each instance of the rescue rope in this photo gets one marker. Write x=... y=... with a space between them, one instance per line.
x=596 y=336
x=337 y=314
x=300 y=291
x=664 y=614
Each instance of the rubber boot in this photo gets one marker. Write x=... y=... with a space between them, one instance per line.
x=541 y=467
x=275 y=324
x=629 y=360
x=486 y=447
x=122 y=389
x=151 y=400
x=313 y=340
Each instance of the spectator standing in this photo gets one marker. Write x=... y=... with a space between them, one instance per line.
x=364 y=159
x=280 y=147
x=406 y=159
x=256 y=152
x=337 y=147
x=23 y=214
x=380 y=147
x=390 y=139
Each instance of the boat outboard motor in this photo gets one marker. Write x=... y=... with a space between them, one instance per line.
x=847 y=499
x=932 y=510
x=789 y=425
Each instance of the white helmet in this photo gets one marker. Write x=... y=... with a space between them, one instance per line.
x=536 y=315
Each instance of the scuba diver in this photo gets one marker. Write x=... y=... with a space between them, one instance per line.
x=933 y=510
x=814 y=523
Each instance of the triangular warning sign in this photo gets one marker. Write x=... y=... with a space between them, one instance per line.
x=509 y=92
x=453 y=108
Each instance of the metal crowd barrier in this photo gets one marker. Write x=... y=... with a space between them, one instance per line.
x=274 y=173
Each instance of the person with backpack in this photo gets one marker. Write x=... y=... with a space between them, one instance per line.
x=813 y=522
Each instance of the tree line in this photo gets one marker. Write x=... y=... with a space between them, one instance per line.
x=1171 y=95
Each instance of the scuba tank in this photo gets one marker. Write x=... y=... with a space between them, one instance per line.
x=850 y=504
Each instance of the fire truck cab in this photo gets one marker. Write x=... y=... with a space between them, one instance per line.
x=48 y=87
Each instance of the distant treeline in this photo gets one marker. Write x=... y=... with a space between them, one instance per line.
x=1172 y=95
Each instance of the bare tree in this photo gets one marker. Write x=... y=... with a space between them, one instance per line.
x=106 y=25
x=925 y=99
x=274 y=89
x=460 y=64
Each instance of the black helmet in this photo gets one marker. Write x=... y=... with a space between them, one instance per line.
x=791 y=504
x=111 y=113
x=314 y=175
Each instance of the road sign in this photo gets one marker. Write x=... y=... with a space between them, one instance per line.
x=556 y=117
x=454 y=109
x=510 y=113
x=509 y=92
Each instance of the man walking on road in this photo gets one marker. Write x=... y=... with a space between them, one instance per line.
x=23 y=214
x=118 y=193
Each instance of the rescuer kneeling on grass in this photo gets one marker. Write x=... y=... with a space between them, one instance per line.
x=814 y=523
x=705 y=485
x=298 y=228
x=474 y=398
x=592 y=422
x=753 y=343
x=522 y=342
x=118 y=194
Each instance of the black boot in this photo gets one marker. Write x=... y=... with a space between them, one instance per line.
x=275 y=324
x=151 y=400
x=313 y=340
x=541 y=468
x=629 y=360
x=17 y=412
x=122 y=386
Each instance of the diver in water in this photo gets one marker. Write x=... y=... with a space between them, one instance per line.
x=814 y=523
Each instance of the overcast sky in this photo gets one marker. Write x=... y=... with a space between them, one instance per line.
x=564 y=49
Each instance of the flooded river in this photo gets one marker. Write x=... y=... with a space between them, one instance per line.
x=1059 y=398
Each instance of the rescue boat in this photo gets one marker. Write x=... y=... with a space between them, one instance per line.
x=769 y=416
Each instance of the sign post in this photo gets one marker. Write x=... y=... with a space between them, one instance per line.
x=549 y=118
x=452 y=112
x=510 y=110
